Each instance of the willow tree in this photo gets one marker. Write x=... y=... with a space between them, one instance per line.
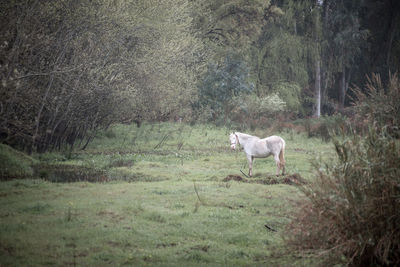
x=168 y=60
x=233 y=28
x=283 y=56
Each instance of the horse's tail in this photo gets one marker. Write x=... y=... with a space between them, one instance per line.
x=282 y=156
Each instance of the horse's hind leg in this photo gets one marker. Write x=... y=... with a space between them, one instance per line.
x=250 y=160
x=282 y=167
x=278 y=164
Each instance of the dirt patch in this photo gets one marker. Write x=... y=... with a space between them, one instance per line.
x=165 y=245
x=290 y=179
x=294 y=179
x=234 y=177
x=110 y=214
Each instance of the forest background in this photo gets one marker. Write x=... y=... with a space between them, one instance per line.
x=69 y=68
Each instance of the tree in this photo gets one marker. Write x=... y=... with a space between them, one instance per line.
x=344 y=38
x=382 y=20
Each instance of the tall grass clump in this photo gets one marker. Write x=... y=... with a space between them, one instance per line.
x=14 y=164
x=351 y=212
x=379 y=103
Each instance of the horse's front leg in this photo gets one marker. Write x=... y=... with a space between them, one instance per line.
x=250 y=160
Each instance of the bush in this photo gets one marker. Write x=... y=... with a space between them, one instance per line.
x=351 y=214
x=256 y=111
x=118 y=160
x=325 y=126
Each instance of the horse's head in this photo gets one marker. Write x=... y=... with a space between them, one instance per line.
x=234 y=140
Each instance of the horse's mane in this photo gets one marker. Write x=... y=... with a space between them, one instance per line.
x=246 y=135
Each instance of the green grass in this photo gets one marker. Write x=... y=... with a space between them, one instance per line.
x=164 y=204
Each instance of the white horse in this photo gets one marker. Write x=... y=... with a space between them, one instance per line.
x=255 y=147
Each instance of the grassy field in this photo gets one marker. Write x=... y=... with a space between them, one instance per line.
x=159 y=200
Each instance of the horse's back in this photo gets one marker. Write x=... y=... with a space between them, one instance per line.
x=274 y=139
x=275 y=143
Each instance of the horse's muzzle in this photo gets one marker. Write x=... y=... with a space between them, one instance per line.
x=233 y=147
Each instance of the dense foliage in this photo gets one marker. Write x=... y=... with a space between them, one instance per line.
x=71 y=67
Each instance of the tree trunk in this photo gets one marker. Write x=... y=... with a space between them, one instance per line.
x=392 y=30
x=37 y=118
x=317 y=92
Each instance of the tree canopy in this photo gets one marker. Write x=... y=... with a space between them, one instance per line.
x=70 y=67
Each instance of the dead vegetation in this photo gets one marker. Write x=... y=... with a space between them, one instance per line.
x=351 y=213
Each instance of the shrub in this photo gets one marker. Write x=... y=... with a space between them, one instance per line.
x=351 y=214
x=290 y=93
x=325 y=126
x=263 y=106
